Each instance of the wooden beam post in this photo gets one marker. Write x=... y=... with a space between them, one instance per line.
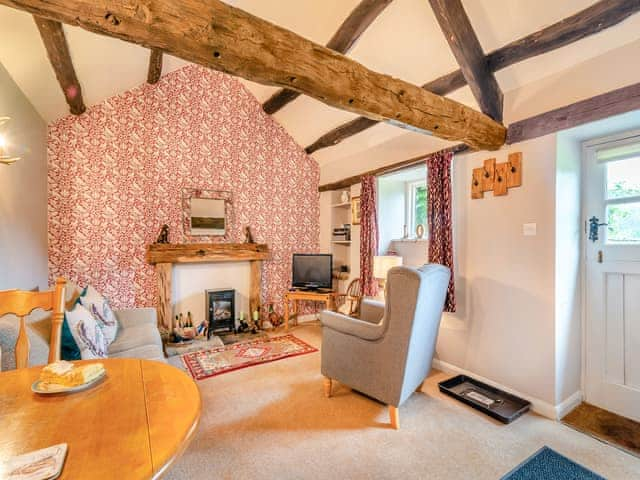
x=217 y=35
x=155 y=66
x=465 y=46
x=254 y=285
x=55 y=43
x=165 y=317
x=342 y=41
x=587 y=22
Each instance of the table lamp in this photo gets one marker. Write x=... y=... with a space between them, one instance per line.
x=381 y=266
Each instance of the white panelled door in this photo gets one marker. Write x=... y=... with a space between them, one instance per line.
x=611 y=208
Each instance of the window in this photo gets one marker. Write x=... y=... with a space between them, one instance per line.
x=622 y=170
x=416 y=211
x=402 y=204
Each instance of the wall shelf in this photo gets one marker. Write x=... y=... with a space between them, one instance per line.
x=345 y=252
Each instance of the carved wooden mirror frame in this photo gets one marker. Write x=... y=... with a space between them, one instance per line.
x=193 y=193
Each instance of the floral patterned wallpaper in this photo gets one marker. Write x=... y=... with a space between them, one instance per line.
x=117 y=172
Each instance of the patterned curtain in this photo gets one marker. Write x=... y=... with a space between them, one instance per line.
x=368 y=235
x=439 y=217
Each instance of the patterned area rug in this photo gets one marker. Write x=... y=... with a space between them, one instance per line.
x=216 y=361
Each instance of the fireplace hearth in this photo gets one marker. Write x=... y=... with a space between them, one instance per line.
x=221 y=310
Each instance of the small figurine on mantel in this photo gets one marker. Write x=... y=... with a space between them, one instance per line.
x=248 y=237
x=164 y=234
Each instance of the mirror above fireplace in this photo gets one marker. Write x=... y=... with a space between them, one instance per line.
x=207 y=213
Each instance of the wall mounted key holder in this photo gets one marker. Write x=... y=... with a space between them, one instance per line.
x=497 y=177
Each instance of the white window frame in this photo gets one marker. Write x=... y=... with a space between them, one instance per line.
x=634 y=141
x=410 y=200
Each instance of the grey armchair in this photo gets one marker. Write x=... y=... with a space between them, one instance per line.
x=387 y=353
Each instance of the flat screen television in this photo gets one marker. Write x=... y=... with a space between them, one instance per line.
x=312 y=270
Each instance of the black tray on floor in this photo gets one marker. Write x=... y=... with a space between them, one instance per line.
x=506 y=407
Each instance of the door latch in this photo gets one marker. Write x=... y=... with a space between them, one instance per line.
x=593 y=228
x=600 y=256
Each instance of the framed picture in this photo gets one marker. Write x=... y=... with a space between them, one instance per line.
x=355 y=210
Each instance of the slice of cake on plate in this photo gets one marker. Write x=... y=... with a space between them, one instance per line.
x=66 y=374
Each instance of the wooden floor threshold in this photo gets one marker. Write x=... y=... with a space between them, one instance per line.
x=605 y=426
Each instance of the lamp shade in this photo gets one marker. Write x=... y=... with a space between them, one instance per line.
x=383 y=263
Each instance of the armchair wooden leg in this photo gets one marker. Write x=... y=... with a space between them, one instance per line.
x=394 y=416
x=327 y=387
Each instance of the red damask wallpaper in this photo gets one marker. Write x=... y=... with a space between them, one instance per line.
x=116 y=174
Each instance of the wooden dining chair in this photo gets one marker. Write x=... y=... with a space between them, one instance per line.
x=351 y=298
x=21 y=303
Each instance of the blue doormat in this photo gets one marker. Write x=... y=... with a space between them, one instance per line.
x=547 y=464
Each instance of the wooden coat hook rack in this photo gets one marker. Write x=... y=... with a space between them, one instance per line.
x=497 y=177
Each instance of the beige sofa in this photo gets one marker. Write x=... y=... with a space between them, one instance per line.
x=138 y=335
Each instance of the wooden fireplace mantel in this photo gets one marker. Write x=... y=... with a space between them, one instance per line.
x=205 y=252
x=164 y=255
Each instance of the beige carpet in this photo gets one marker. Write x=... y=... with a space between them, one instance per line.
x=272 y=421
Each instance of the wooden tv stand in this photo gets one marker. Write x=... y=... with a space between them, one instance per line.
x=294 y=296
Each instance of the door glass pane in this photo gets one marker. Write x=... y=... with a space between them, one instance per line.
x=623 y=178
x=624 y=223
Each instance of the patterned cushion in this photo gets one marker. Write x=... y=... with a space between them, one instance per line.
x=100 y=309
x=86 y=332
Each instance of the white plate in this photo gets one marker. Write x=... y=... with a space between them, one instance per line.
x=78 y=388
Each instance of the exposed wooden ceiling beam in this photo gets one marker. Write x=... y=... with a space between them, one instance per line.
x=55 y=43
x=465 y=46
x=219 y=36
x=155 y=66
x=616 y=102
x=347 y=182
x=594 y=19
x=342 y=41
x=440 y=86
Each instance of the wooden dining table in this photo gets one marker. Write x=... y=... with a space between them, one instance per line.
x=133 y=424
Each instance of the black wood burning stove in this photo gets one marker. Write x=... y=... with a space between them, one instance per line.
x=221 y=310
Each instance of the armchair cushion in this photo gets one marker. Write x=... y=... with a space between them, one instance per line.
x=371 y=310
x=138 y=335
x=351 y=326
x=131 y=317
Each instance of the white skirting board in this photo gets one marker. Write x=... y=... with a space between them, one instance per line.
x=554 y=412
x=569 y=404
